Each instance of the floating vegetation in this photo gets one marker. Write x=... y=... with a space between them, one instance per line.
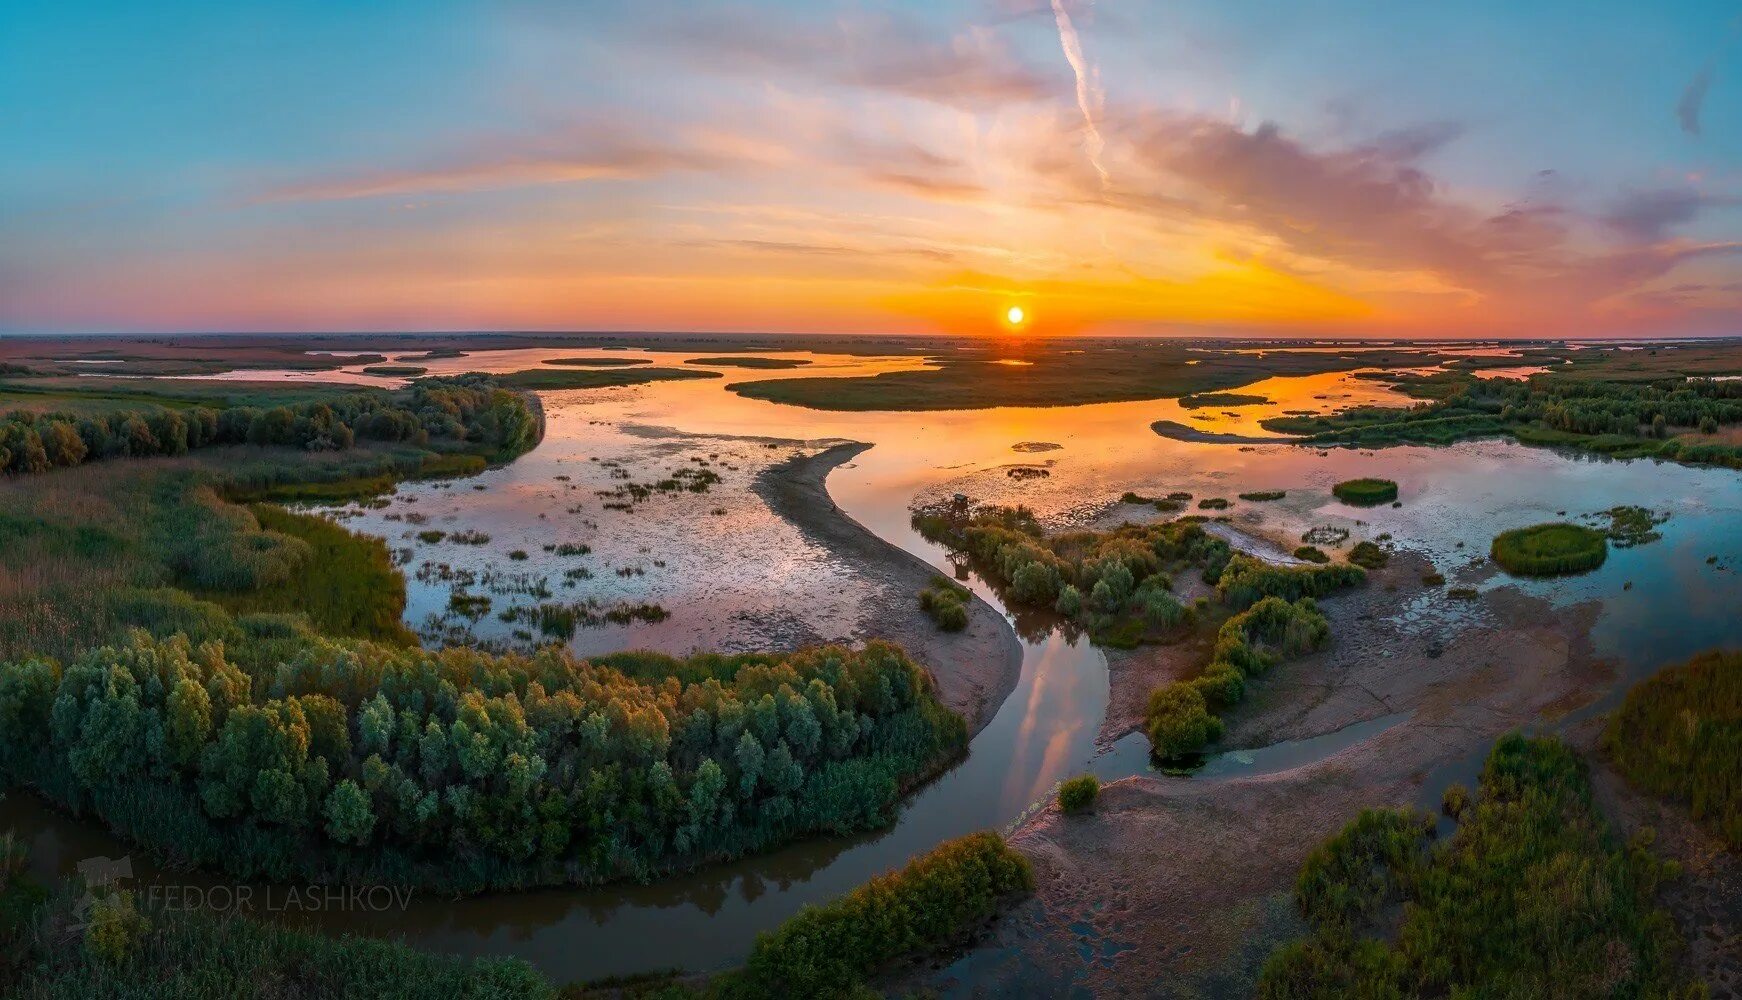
x=1365 y=492
x=469 y=605
x=1550 y=549
x=560 y=621
x=1325 y=534
x=1631 y=525
x=1368 y=555
x=1262 y=496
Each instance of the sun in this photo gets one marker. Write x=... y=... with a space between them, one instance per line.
x=1015 y=316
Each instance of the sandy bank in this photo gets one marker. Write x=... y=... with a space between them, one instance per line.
x=1181 y=887
x=1180 y=432
x=976 y=668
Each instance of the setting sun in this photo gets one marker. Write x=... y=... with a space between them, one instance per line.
x=1015 y=316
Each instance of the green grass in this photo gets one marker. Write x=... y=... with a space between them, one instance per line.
x=1368 y=555
x=1264 y=496
x=1533 y=896
x=1549 y=549
x=946 y=603
x=584 y=379
x=396 y=371
x=1679 y=736
x=1365 y=492
x=349 y=587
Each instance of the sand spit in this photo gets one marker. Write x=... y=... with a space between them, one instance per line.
x=976 y=668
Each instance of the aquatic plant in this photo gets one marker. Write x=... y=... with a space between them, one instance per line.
x=1549 y=549
x=1262 y=496
x=1213 y=503
x=1365 y=492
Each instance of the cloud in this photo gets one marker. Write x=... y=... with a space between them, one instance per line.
x=1647 y=216
x=1687 y=110
x=573 y=154
x=1091 y=100
x=970 y=70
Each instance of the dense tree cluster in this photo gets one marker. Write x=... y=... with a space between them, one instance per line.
x=1115 y=583
x=1532 y=896
x=468 y=770
x=468 y=410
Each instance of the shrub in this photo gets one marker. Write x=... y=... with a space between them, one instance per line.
x=1262 y=496
x=1078 y=794
x=1550 y=549
x=1368 y=555
x=935 y=902
x=1533 y=896
x=1213 y=503
x=945 y=601
x=1312 y=554
x=1179 y=722
x=1365 y=492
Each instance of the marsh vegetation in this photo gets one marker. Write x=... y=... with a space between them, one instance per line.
x=1550 y=549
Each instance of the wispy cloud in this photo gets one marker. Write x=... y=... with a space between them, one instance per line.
x=1090 y=98
x=573 y=154
x=885 y=52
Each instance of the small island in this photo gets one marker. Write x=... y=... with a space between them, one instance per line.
x=1200 y=400
x=750 y=362
x=1550 y=549
x=1365 y=492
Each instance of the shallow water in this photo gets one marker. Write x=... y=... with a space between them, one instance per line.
x=746 y=579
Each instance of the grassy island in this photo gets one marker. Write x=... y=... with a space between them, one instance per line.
x=1550 y=549
x=739 y=361
x=396 y=371
x=1365 y=492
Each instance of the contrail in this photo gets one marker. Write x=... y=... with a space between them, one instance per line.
x=1089 y=97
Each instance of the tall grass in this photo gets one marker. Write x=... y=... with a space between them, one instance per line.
x=1679 y=735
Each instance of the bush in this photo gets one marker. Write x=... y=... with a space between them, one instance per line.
x=1213 y=503
x=1550 y=549
x=1368 y=555
x=1679 y=736
x=1262 y=496
x=1312 y=554
x=1179 y=722
x=937 y=901
x=945 y=601
x=1079 y=793
x=1365 y=492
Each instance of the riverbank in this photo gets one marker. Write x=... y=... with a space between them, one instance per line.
x=976 y=668
x=1186 y=882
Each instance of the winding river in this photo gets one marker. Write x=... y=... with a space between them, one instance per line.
x=726 y=568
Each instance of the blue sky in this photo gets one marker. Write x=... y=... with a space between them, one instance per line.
x=1378 y=169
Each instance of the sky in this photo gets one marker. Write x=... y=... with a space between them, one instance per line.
x=1117 y=167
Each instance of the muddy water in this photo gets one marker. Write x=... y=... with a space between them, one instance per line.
x=745 y=578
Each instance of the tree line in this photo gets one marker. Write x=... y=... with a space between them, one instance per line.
x=470 y=771
x=470 y=410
